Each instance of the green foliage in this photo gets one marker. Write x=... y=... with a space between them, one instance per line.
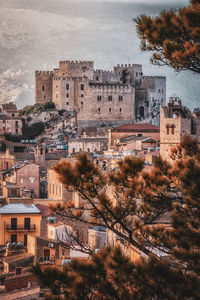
x=37 y=108
x=28 y=132
x=131 y=203
x=173 y=37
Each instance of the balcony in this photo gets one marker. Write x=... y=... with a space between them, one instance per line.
x=17 y=228
x=46 y=260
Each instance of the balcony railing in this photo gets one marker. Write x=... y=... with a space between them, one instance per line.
x=46 y=259
x=9 y=227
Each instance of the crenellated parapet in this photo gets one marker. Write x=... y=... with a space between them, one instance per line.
x=111 y=88
x=81 y=62
x=69 y=78
x=128 y=65
x=154 y=77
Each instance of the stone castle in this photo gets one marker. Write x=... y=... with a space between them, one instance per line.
x=101 y=97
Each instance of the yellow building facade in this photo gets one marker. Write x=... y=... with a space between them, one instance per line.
x=17 y=221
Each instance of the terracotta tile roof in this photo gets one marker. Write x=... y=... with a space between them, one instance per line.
x=136 y=128
x=44 y=210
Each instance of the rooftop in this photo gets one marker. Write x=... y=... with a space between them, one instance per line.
x=44 y=209
x=136 y=128
x=19 y=208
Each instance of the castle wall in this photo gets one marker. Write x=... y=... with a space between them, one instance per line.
x=43 y=86
x=134 y=71
x=76 y=85
x=106 y=76
x=76 y=69
x=157 y=88
x=101 y=109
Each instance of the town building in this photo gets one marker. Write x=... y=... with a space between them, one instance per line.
x=10 y=123
x=87 y=144
x=26 y=176
x=17 y=221
x=56 y=190
x=176 y=121
x=128 y=132
x=102 y=97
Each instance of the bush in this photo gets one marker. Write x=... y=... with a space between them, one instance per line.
x=28 y=132
x=37 y=108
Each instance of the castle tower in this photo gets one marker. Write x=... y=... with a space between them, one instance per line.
x=43 y=86
x=40 y=155
x=175 y=122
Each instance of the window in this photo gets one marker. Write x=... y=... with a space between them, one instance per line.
x=98 y=98
x=109 y=110
x=158 y=90
x=109 y=98
x=16 y=131
x=50 y=188
x=81 y=102
x=99 y=110
x=25 y=240
x=13 y=115
x=167 y=129
x=136 y=74
x=13 y=238
x=67 y=95
x=18 y=270
x=82 y=87
x=82 y=95
x=172 y=127
x=59 y=190
x=22 y=180
x=67 y=87
x=162 y=91
x=67 y=103
x=120 y=109
x=120 y=98
x=14 y=223
x=16 y=123
x=27 y=223
x=43 y=88
x=88 y=149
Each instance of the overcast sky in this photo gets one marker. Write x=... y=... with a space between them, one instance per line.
x=36 y=34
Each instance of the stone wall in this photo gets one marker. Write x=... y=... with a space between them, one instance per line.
x=175 y=122
x=43 y=86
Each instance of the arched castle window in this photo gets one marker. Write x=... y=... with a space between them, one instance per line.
x=82 y=87
x=43 y=88
x=110 y=110
x=99 y=110
x=98 y=98
x=67 y=87
x=120 y=109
